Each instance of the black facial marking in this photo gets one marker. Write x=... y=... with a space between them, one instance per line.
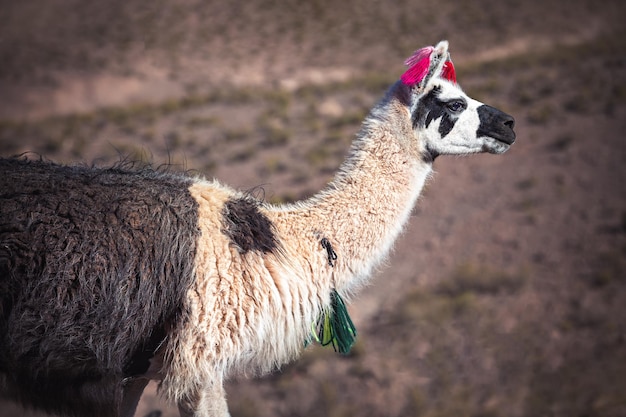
x=247 y=227
x=430 y=108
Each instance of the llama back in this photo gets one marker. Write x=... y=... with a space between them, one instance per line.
x=95 y=265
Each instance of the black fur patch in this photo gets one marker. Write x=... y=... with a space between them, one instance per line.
x=95 y=265
x=247 y=227
x=430 y=108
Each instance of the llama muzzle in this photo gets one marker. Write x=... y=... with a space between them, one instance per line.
x=497 y=125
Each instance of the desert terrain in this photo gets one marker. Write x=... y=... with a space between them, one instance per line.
x=505 y=296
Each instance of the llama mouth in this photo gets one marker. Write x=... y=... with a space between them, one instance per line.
x=500 y=140
x=505 y=135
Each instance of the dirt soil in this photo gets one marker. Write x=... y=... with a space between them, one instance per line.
x=506 y=295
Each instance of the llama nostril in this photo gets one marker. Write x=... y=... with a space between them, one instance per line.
x=510 y=123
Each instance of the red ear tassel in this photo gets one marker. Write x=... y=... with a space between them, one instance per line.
x=448 y=72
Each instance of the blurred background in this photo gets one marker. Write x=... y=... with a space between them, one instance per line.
x=506 y=296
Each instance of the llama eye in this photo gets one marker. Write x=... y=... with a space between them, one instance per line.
x=456 y=105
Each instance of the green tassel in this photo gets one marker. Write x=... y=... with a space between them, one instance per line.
x=335 y=326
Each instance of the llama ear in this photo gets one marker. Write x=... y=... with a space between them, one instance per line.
x=438 y=60
x=427 y=64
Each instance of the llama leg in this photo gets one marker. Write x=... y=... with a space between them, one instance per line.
x=132 y=394
x=211 y=402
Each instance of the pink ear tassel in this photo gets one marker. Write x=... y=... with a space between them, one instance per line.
x=419 y=63
x=418 y=55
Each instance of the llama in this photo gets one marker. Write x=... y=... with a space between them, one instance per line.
x=111 y=277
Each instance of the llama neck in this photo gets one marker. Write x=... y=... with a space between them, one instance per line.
x=363 y=210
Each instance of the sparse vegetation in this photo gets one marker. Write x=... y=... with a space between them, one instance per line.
x=470 y=278
x=561 y=143
x=541 y=115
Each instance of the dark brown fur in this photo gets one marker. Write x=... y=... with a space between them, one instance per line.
x=247 y=227
x=94 y=268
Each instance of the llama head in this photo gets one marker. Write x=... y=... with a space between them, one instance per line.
x=444 y=118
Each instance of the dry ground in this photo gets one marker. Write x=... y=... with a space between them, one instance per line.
x=506 y=296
